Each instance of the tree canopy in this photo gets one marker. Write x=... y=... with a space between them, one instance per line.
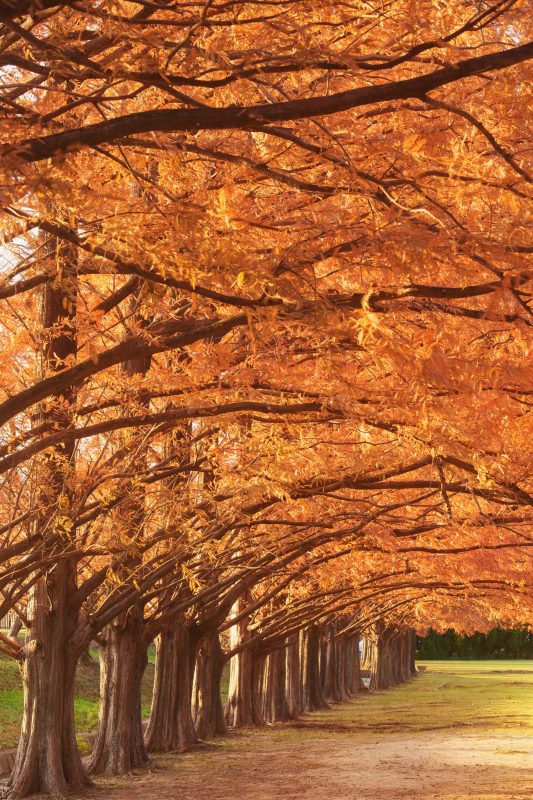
x=266 y=322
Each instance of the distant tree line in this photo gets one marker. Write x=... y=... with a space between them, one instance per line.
x=499 y=643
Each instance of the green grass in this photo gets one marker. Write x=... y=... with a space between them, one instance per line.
x=471 y=695
x=86 y=703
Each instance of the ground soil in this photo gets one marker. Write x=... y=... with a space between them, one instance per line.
x=448 y=735
x=450 y=766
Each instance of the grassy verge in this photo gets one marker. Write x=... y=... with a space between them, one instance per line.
x=472 y=695
x=86 y=702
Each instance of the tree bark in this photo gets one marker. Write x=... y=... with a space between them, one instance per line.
x=208 y=711
x=15 y=628
x=382 y=671
x=293 y=679
x=243 y=708
x=352 y=671
x=119 y=746
x=275 y=705
x=47 y=757
x=332 y=666
x=312 y=689
x=171 y=725
x=412 y=654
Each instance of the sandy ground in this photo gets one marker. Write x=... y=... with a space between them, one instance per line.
x=448 y=766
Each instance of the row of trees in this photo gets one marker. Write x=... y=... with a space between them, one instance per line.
x=265 y=376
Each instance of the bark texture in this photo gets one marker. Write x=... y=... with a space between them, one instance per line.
x=47 y=757
x=171 y=724
x=313 y=697
x=208 y=711
x=119 y=746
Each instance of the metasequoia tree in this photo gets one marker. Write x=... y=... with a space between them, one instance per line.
x=266 y=326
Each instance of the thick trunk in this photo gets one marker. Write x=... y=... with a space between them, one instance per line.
x=119 y=746
x=341 y=647
x=48 y=759
x=382 y=670
x=275 y=705
x=243 y=708
x=331 y=666
x=352 y=673
x=239 y=709
x=313 y=698
x=395 y=659
x=293 y=680
x=171 y=725
x=367 y=655
x=207 y=703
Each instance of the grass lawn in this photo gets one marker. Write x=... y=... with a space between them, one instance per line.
x=86 y=703
x=472 y=695
x=462 y=694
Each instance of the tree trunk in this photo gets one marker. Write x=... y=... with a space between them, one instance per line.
x=48 y=759
x=293 y=679
x=119 y=746
x=275 y=705
x=352 y=665
x=312 y=688
x=208 y=711
x=171 y=725
x=412 y=654
x=382 y=665
x=367 y=655
x=331 y=675
x=243 y=709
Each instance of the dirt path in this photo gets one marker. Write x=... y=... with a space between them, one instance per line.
x=451 y=766
x=455 y=733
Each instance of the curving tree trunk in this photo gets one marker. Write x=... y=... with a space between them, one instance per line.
x=208 y=711
x=15 y=628
x=119 y=746
x=171 y=724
